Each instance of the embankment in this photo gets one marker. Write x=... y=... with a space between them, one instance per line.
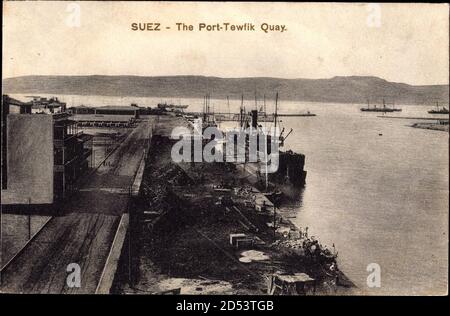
x=181 y=234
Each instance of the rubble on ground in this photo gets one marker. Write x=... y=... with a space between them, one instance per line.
x=201 y=206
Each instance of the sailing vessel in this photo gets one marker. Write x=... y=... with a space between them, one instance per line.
x=438 y=110
x=383 y=109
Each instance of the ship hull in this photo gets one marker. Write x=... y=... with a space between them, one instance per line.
x=290 y=170
x=380 y=110
x=438 y=112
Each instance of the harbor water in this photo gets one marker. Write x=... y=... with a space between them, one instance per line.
x=376 y=188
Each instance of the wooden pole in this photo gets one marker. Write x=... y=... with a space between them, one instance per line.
x=29 y=219
x=1 y=235
x=274 y=221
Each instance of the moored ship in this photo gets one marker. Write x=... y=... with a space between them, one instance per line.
x=442 y=110
x=290 y=177
x=383 y=109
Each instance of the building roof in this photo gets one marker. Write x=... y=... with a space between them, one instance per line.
x=119 y=107
x=110 y=107
x=60 y=116
x=65 y=122
x=82 y=106
x=16 y=102
x=101 y=118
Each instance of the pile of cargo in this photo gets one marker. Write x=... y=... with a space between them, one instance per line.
x=309 y=248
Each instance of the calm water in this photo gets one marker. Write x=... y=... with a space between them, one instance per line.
x=379 y=199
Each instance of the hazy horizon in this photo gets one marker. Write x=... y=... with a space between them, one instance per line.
x=219 y=77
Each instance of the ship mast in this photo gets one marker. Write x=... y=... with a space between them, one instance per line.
x=241 y=118
x=265 y=113
x=204 y=108
x=264 y=105
x=266 y=160
x=274 y=208
x=276 y=113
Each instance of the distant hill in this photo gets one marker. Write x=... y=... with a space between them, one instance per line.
x=353 y=89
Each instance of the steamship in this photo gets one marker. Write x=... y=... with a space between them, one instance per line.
x=383 y=109
x=290 y=176
x=438 y=110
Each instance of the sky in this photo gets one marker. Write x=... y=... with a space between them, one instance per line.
x=398 y=42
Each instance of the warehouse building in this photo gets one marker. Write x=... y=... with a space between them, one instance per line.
x=108 y=116
x=43 y=155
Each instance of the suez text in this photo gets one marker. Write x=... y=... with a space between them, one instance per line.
x=228 y=305
x=215 y=27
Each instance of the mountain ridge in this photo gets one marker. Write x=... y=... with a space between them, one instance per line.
x=340 y=89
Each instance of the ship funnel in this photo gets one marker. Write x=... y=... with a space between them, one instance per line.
x=254 y=118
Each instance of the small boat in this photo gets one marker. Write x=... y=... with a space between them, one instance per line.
x=438 y=110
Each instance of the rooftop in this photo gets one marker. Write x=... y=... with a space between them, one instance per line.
x=93 y=118
x=111 y=107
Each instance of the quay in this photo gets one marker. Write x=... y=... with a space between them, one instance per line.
x=415 y=118
x=433 y=123
x=142 y=223
x=85 y=228
x=297 y=114
x=235 y=117
x=204 y=228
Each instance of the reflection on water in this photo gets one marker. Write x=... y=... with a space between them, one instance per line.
x=380 y=199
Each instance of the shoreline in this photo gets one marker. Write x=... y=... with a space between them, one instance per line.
x=187 y=215
x=432 y=126
x=165 y=97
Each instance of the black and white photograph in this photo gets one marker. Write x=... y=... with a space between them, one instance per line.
x=224 y=148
